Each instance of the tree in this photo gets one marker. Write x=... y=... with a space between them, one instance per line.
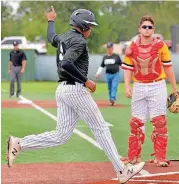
x=117 y=21
x=5 y=16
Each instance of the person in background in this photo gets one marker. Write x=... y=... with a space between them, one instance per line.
x=112 y=62
x=16 y=67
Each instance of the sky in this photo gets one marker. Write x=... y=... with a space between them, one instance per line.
x=14 y=4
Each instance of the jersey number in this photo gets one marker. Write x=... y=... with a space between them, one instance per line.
x=62 y=51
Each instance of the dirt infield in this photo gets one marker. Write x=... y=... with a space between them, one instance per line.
x=82 y=173
x=46 y=104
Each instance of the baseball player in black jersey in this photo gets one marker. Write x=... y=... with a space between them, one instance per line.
x=16 y=67
x=112 y=62
x=72 y=97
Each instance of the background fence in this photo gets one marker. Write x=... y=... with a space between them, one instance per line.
x=43 y=68
x=175 y=38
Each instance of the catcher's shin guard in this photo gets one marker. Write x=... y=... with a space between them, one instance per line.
x=135 y=141
x=160 y=137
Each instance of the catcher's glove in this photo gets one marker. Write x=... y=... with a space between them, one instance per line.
x=173 y=102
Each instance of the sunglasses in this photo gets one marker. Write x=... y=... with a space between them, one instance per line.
x=145 y=27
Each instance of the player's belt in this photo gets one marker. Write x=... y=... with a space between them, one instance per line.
x=70 y=83
x=16 y=65
x=150 y=81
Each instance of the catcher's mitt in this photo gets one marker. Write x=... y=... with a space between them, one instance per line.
x=173 y=102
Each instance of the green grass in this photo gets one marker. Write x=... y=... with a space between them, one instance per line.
x=30 y=121
x=22 y=122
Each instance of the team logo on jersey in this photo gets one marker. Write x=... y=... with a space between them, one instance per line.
x=109 y=61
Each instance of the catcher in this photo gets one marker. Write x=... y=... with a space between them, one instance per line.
x=148 y=61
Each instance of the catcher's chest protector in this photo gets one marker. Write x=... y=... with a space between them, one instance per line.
x=147 y=65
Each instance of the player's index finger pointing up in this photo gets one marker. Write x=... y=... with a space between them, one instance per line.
x=52 y=8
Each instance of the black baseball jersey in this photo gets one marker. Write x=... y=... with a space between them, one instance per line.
x=16 y=57
x=111 y=63
x=71 y=46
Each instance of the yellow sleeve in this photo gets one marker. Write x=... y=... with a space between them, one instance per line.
x=127 y=63
x=165 y=56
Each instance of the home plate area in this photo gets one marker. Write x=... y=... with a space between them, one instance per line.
x=83 y=173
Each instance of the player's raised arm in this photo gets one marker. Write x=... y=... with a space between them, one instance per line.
x=51 y=34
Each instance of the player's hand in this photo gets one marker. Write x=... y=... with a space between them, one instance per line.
x=97 y=76
x=9 y=71
x=51 y=15
x=22 y=71
x=91 y=85
x=128 y=92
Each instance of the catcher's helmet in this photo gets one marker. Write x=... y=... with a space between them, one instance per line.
x=82 y=19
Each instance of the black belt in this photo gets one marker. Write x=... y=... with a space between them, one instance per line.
x=16 y=65
x=71 y=83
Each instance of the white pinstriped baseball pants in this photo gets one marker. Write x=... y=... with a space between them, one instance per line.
x=149 y=99
x=73 y=102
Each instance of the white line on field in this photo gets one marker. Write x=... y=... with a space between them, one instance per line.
x=152 y=175
x=109 y=124
x=154 y=181
x=158 y=174
x=81 y=134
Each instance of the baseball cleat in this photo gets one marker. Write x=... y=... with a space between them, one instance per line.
x=11 y=96
x=161 y=163
x=13 y=149
x=129 y=171
x=112 y=102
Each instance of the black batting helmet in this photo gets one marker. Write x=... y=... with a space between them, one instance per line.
x=82 y=19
